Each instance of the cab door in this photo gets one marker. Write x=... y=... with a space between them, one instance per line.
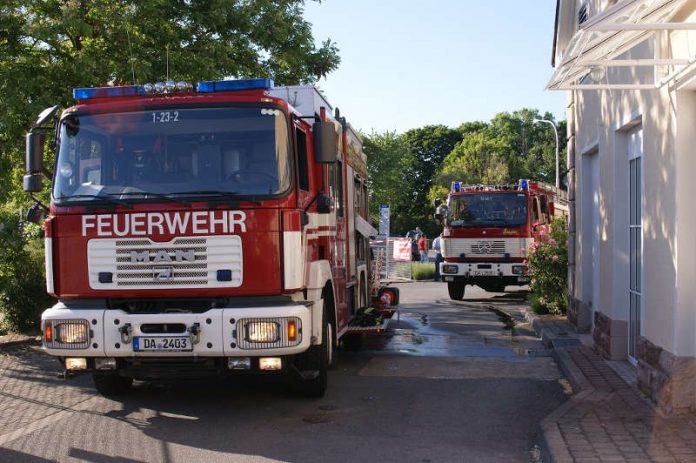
x=338 y=241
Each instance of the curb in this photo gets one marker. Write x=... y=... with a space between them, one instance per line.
x=553 y=446
x=10 y=340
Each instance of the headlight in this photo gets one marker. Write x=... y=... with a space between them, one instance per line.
x=262 y=331
x=451 y=269
x=519 y=269
x=268 y=333
x=66 y=334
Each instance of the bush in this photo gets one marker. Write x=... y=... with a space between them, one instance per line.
x=422 y=271
x=22 y=282
x=548 y=269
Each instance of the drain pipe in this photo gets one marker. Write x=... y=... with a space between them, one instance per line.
x=572 y=233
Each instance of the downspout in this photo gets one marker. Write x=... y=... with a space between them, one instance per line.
x=572 y=218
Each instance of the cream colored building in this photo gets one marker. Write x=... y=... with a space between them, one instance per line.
x=628 y=67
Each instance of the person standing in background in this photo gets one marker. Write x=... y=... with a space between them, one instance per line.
x=423 y=248
x=414 y=235
x=437 y=247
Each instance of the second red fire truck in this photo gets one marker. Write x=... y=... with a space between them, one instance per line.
x=207 y=230
x=487 y=231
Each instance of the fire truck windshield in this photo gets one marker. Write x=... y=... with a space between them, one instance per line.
x=487 y=209
x=178 y=152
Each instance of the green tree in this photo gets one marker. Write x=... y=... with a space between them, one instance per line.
x=476 y=159
x=510 y=147
x=429 y=146
x=388 y=160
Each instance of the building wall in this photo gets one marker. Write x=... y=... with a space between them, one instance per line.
x=666 y=351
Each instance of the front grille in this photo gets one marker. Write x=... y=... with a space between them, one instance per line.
x=283 y=341
x=183 y=262
x=482 y=248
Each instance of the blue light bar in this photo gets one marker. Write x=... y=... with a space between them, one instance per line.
x=212 y=86
x=524 y=184
x=456 y=187
x=107 y=92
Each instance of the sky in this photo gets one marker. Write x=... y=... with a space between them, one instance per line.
x=410 y=63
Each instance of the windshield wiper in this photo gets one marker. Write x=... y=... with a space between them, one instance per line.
x=222 y=195
x=147 y=194
x=108 y=199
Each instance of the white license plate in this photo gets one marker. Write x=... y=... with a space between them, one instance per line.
x=483 y=273
x=162 y=344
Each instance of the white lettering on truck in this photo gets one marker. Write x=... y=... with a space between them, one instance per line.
x=172 y=223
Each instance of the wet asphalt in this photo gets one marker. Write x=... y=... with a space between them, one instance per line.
x=448 y=381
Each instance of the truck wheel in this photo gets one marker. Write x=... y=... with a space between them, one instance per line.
x=315 y=362
x=111 y=384
x=456 y=290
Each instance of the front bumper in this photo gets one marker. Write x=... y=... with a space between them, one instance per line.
x=483 y=269
x=217 y=332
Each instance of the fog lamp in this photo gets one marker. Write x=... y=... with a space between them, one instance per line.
x=239 y=363
x=519 y=270
x=270 y=363
x=75 y=363
x=259 y=331
x=451 y=269
x=105 y=363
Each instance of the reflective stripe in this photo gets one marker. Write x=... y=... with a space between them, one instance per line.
x=48 y=245
x=293 y=260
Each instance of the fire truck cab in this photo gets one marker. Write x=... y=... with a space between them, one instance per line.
x=207 y=230
x=487 y=230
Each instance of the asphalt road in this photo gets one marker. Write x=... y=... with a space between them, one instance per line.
x=447 y=383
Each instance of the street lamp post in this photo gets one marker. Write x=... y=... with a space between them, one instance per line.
x=555 y=132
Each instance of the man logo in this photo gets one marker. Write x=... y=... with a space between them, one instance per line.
x=162 y=273
x=162 y=255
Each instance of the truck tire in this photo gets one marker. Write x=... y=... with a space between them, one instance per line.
x=316 y=360
x=111 y=384
x=456 y=290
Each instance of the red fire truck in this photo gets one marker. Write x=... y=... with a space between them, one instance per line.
x=487 y=230
x=201 y=231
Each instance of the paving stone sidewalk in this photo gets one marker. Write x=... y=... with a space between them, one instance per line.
x=607 y=419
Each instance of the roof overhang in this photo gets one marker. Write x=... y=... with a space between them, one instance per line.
x=601 y=43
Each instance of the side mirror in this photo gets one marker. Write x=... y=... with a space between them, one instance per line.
x=325 y=146
x=33 y=181
x=34 y=156
x=440 y=213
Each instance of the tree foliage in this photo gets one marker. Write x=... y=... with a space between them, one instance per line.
x=416 y=167
x=388 y=160
x=429 y=146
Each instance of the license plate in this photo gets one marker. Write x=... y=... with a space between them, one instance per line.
x=483 y=273
x=162 y=344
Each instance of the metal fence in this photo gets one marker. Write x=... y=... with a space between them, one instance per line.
x=392 y=258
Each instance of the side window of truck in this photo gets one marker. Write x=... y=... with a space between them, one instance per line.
x=544 y=209
x=302 y=163
x=535 y=210
x=339 y=188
